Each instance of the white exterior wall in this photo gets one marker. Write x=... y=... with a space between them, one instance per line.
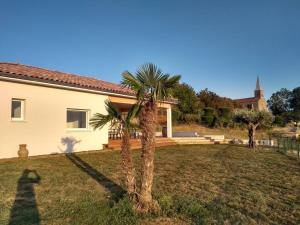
x=169 y=122
x=45 y=123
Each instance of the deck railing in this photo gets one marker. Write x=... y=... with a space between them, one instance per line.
x=116 y=134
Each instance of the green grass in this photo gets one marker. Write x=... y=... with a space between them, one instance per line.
x=229 y=133
x=216 y=184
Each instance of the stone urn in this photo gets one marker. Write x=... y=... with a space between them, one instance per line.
x=23 y=152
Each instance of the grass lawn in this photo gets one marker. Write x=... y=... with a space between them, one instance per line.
x=215 y=184
x=228 y=132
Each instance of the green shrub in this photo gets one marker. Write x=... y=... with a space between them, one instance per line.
x=224 y=117
x=175 y=115
x=279 y=121
x=208 y=120
x=224 y=112
x=208 y=117
x=208 y=111
x=189 y=118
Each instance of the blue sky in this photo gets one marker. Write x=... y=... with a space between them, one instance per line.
x=219 y=45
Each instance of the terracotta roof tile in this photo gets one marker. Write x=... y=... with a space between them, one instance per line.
x=49 y=76
x=246 y=100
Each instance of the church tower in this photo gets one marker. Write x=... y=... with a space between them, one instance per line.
x=258 y=93
x=257 y=102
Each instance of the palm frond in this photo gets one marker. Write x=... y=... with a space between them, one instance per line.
x=150 y=83
x=98 y=121
x=113 y=116
x=113 y=110
x=131 y=81
x=172 y=81
x=132 y=113
x=165 y=86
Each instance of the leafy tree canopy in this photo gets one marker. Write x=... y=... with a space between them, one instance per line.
x=257 y=118
x=253 y=119
x=210 y=99
x=295 y=100
x=187 y=99
x=279 y=102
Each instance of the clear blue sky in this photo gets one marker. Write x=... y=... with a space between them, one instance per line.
x=219 y=45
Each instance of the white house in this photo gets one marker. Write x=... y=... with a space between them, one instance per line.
x=49 y=111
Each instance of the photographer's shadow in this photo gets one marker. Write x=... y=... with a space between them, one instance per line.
x=25 y=210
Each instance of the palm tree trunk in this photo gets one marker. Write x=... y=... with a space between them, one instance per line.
x=127 y=164
x=148 y=127
x=251 y=134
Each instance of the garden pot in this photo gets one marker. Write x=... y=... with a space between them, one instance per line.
x=23 y=151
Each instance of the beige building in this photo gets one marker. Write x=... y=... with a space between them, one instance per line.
x=257 y=102
x=49 y=111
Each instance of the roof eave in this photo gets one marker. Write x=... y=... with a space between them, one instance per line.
x=13 y=77
x=20 y=78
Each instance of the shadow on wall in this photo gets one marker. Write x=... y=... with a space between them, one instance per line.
x=24 y=210
x=69 y=142
x=116 y=190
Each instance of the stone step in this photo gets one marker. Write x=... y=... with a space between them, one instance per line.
x=136 y=143
x=189 y=138
x=195 y=142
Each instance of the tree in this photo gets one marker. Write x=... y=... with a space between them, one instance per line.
x=295 y=100
x=188 y=107
x=253 y=119
x=151 y=86
x=279 y=102
x=279 y=121
x=208 y=116
x=224 y=116
x=210 y=99
x=115 y=118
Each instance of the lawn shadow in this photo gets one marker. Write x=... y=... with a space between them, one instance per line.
x=24 y=210
x=117 y=192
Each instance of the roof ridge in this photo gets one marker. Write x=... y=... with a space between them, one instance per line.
x=58 y=71
x=51 y=70
x=59 y=76
x=12 y=63
x=244 y=98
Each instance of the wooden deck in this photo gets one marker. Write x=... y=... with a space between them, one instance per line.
x=115 y=144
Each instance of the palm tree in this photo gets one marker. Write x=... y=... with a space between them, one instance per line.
x=151 y=86
x=123 y=123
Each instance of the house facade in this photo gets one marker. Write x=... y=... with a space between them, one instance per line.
x=257 y=102
x=49 y=111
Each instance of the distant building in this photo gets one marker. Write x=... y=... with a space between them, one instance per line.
x=257 y=102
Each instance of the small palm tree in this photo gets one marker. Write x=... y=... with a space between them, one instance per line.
x=124 y=124
x=151 y=86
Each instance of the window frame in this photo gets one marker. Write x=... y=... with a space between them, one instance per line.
x=250 y=106
x=87 y=113
x=22 y=118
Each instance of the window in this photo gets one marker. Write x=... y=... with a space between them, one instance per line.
x=250 y=106
x=77 y=119
x=17 y=109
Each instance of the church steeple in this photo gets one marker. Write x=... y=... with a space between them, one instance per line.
x=258 y=93
x=258 y=84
